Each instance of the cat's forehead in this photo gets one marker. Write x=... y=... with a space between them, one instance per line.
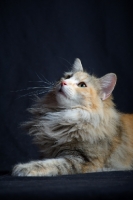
x=79 y=76
x=82 y=76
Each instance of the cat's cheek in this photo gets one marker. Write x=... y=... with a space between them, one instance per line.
x=79 y=99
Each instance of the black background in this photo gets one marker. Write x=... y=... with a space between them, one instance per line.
x=45 y=37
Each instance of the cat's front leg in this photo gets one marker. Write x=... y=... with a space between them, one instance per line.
x=49 y=167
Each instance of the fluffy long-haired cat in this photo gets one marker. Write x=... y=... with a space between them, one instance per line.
x=78 y=128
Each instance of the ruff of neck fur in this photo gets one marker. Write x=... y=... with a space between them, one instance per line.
x=74 y=124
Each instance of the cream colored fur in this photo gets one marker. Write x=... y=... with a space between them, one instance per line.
x=78 y=128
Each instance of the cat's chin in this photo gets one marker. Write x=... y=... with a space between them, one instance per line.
x=60 y=92
x=63 y=100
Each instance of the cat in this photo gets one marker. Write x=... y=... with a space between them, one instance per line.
x=78 y=128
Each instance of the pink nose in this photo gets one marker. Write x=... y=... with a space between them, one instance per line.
x=63 y=83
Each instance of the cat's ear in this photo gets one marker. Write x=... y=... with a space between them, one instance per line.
x=77 y=66
x=107 y=84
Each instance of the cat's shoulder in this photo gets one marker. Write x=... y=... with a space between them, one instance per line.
x=127 y=123
x=127 y=118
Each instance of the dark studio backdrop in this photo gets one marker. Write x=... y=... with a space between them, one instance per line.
x=44 y=37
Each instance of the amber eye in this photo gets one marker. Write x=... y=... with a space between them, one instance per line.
x=82 y=84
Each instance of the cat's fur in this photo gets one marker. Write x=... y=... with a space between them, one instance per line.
x=78 y=128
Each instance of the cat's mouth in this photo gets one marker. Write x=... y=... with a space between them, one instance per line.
x=62 y=93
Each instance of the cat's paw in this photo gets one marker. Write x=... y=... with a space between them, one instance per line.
x=22 y=170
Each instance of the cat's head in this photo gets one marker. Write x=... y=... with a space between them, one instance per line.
x=78 y=88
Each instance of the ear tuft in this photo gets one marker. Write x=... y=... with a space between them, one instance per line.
x=107 y=84
x=77 y=66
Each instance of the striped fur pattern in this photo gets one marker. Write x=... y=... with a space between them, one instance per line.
x=78 y=129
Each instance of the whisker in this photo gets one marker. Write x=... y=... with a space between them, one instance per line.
x=32 y=88
x=42 y=89
x=47 y=83
x=46 y=79
x=42 y=92
x=50 y=86
x=32 y=93
x=41 y=79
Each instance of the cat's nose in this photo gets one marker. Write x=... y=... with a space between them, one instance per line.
x=63 y=83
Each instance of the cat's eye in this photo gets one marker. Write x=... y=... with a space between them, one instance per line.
x=82 y=84
x=68 y=76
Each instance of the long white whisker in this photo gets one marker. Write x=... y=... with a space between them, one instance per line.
x=46 y=79
x=47 y=83
x=46 y=86
x=40 y=78
x=31 y=93
x=41 y=89
x=42 y=92
x=32 y=88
